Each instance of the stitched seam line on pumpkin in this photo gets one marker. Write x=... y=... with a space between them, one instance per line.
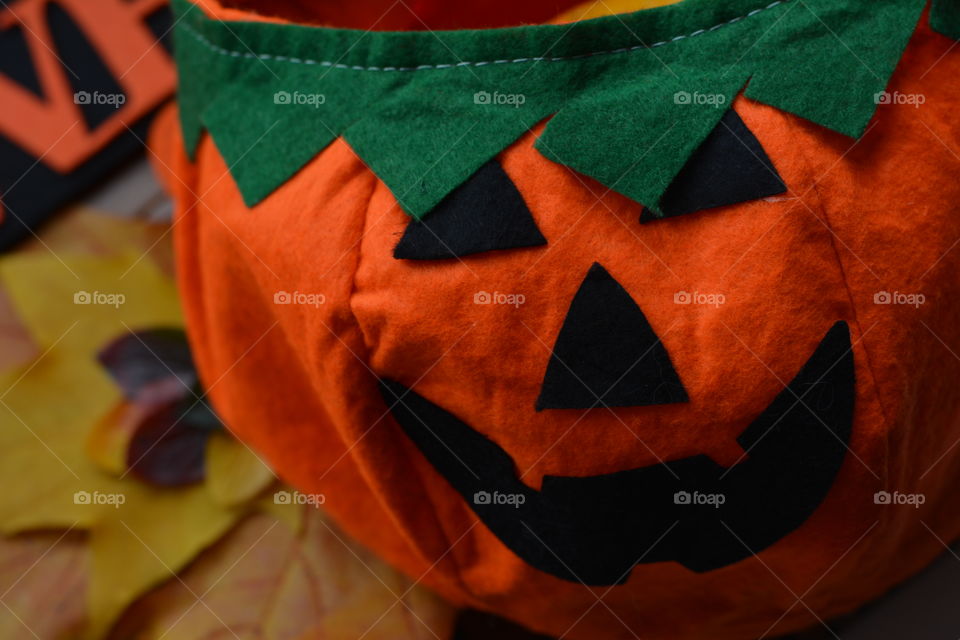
x=336 y=65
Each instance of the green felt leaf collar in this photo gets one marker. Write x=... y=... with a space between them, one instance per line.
x=631 y=96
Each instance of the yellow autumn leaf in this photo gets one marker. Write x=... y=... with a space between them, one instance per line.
x=139 y=535
x=234 y=473
x=46 y=412
x=145 y=541
x=79 y=303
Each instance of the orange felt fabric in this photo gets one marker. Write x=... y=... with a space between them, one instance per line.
x=298 y=382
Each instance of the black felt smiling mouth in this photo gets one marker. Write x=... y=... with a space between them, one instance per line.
x=596 y=529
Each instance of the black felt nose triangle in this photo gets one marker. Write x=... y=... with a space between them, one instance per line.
x=485 y=213
x=607 y=354
x=730 y=166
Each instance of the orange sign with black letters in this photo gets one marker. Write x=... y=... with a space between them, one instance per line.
x=76 y=76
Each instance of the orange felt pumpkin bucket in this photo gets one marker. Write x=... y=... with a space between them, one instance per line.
x=516 y=382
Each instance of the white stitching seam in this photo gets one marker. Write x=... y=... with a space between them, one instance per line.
x=335 y=65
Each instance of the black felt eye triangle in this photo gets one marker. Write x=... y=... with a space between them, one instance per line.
x=729 y=167
x=485 y=213
x=607 y=354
